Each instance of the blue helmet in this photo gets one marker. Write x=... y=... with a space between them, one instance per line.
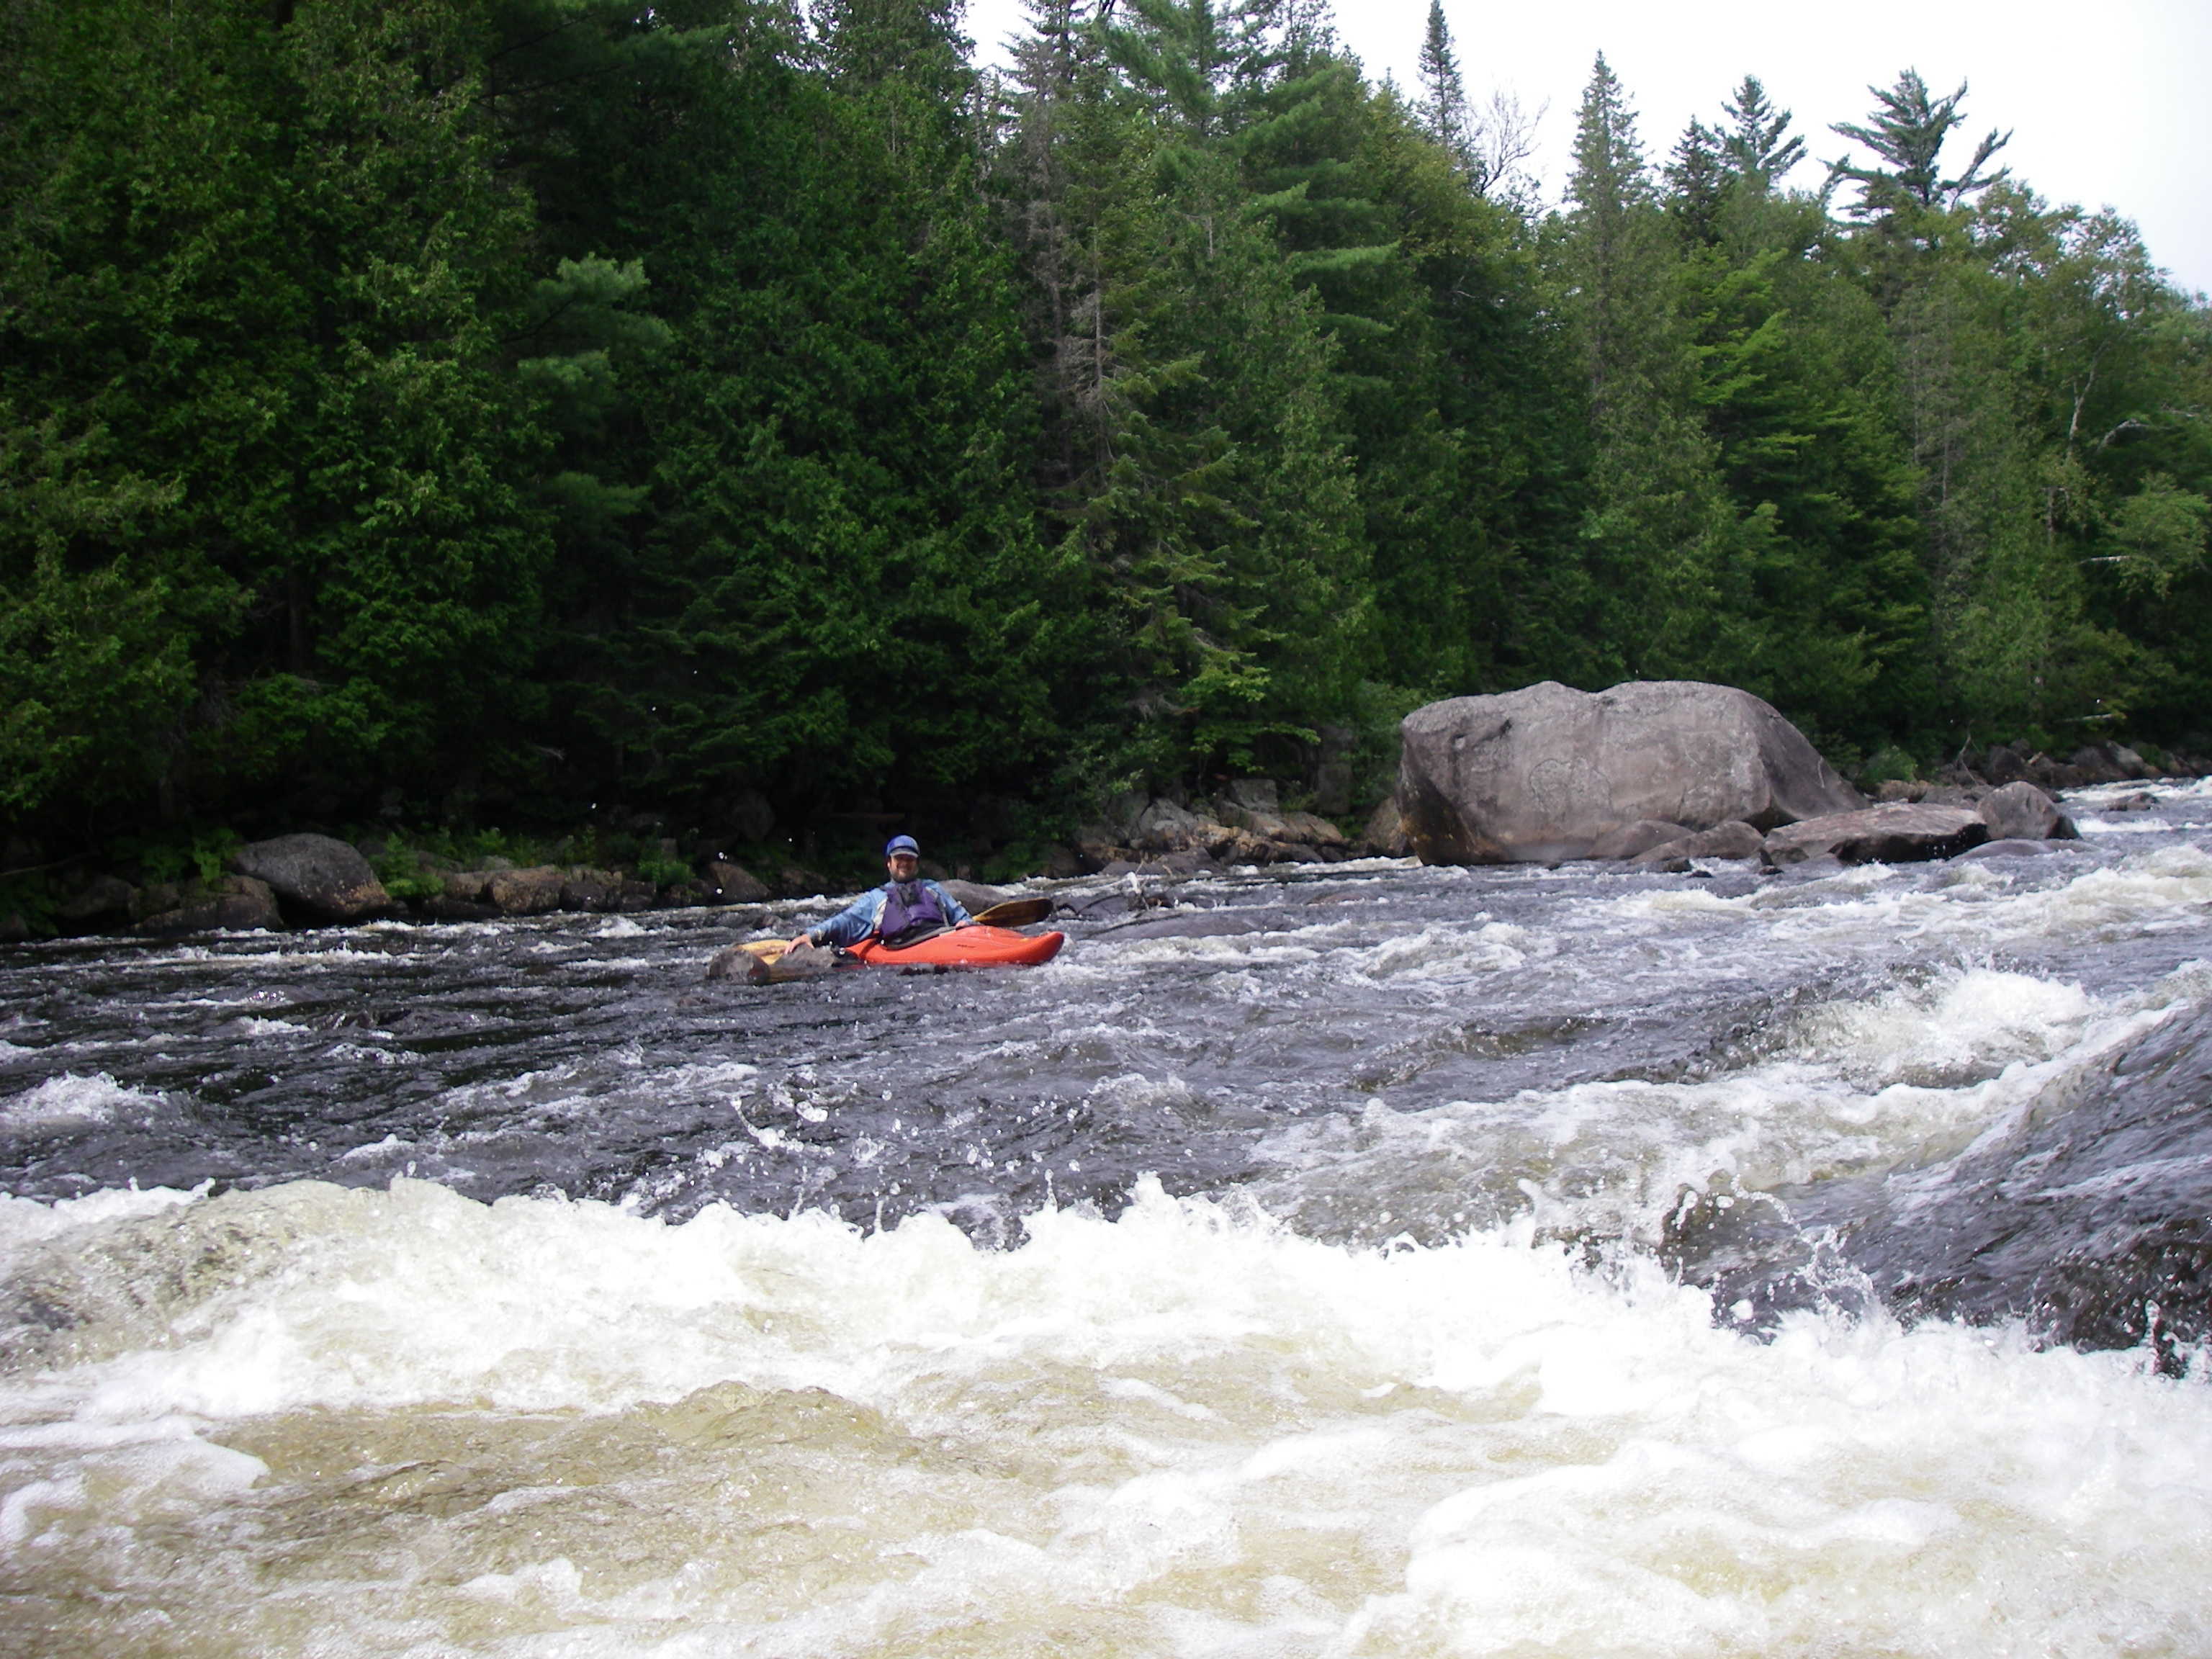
x=898 y=844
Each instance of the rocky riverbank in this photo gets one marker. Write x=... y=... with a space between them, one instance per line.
x=2002 y=795
x=310 y=880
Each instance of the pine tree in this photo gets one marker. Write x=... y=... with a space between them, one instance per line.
x=1444 y=95
x=257 y=276
x=1313 y=161
x=1611 y=197
x=1698 y=177
x=1221 y=511
x=1656 y=519
x=1820 y=571
x=1759 y=145
x=833 y=596
x=1908 y=131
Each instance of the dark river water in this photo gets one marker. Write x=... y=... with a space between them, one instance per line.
x=1345 y=1260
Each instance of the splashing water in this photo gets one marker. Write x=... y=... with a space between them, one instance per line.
x=1305 y=1291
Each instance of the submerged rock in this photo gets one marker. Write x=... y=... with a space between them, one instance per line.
x=731 y=961
x=1202 y=924
x=1897 y=833
x=1543 y=773
x=2014 y=849
x=2090 y=1218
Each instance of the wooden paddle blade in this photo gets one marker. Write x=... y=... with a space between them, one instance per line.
x=1015 y=913
x=746 y=962
x=791 y=963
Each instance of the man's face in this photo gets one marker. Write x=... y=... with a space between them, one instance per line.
x=903 y=866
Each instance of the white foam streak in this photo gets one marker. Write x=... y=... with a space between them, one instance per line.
x=74 y=1102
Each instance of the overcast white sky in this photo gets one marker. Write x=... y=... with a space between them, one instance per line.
x=2109 y=105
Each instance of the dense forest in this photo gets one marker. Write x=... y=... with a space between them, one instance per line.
x=437 y=411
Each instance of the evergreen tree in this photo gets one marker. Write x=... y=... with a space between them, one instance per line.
x=1612 y=248
x=1661 y=538
x=1444 y=95
x=1759 y=145
x=838 y=599
x=1908 y=132
x=265 y=257
x=1221 y=511
x=1698 y=177
x=2012 y=648
x=1377 y=222
x=1822 y=573
x=1059 y=134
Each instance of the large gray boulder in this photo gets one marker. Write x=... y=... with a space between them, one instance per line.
x=322 y=878
x=1547 y=772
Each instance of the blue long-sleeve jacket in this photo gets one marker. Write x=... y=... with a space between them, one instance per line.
x=858 y=919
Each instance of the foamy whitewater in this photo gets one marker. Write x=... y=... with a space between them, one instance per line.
x=1320 y=1288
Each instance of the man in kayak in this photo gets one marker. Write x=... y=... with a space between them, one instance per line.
x=906 y=907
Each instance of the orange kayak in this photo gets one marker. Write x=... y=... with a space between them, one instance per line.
x=981 y=946
x=963 y=947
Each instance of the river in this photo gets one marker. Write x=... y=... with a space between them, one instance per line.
x=1353 y=1275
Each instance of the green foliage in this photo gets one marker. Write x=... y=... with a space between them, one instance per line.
x=1888 y=763
x=404 y=878
x=33 y=895
x=504 y=406
x=178 y=853
x=253 y=283
x=470 y=849
x=1908 y=130
x=662 y=871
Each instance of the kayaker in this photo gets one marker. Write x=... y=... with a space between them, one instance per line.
x=906 y=906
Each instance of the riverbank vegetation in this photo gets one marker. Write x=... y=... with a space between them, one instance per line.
x=458 y=413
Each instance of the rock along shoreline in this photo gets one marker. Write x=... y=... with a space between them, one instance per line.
x=1661 y=775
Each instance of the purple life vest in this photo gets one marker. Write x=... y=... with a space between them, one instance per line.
x=910 y=909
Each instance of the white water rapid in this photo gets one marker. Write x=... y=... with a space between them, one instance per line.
x=1318 y=1289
